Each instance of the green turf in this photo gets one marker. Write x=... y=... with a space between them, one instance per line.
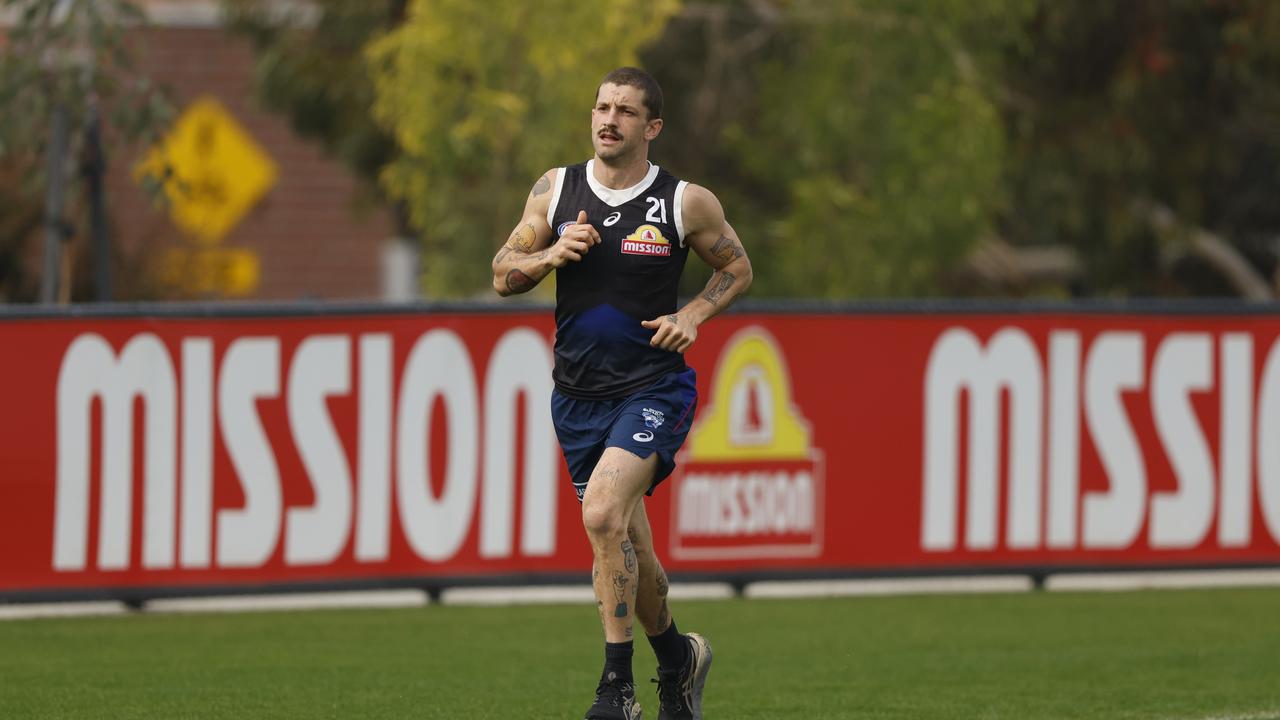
x=1183 y=655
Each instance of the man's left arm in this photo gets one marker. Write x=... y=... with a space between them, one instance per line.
x=709 y=235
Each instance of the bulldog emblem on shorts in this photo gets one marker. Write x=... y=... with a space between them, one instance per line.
x=653 y=418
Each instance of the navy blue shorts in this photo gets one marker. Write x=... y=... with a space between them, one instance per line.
x=655 y=419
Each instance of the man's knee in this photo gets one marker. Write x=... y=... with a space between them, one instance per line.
x=604 y=517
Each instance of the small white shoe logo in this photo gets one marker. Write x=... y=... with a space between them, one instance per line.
x=642 y=436
x=609 y=221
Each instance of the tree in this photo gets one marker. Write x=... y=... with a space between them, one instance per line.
x=1144 y=134
x=68 y=58
x=483 y=98
x=877 y=145
x=307 y=67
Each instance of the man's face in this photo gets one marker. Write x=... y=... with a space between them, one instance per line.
x=619 y=122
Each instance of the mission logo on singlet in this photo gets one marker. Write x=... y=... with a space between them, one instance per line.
x=646 y=240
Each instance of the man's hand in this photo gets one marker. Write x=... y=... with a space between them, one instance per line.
x=674 y=332
x=574 y=243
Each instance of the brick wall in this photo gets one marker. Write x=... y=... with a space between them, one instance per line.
x=311 y=240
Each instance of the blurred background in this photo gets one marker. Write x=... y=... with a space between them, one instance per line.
x=381 y=149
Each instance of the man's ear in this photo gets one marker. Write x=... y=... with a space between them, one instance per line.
x=652 y=129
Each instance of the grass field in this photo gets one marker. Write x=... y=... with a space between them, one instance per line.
x=1166 y=654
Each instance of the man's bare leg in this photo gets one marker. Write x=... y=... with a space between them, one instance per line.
x=617 y=483
x=651 y=597
x=683 y=660
x=616 y=486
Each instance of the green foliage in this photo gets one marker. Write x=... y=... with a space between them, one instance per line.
x=307 y=68
x=880 y=138
x=481 y=98
x=1175 y=102
x=76 y=54
x=860 y=149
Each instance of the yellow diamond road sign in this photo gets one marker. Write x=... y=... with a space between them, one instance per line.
x=213 y=171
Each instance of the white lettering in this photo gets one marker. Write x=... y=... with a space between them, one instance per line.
x=520 y=364
x=1235 y=441
x=321 y=367
x=197 y=452
x=90 y=369
x=1064 y=439
x=1113 y=518
x=1183 y=364
x=373 y=529
x=438 y=365
x=249 y=535
x=957 y=363
x=757 y=503
x=1268 y=446
x=250 y=370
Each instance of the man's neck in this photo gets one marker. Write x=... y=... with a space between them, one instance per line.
x=620 y=174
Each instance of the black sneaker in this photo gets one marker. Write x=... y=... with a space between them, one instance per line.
x=680 y=691
x=615 y=700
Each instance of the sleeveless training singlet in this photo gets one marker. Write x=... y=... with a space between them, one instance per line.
x=632 y=275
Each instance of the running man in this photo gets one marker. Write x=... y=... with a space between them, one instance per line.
x=618 y=230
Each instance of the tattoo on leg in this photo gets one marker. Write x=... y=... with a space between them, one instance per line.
x=543 y=185
x=629 y=556
x=518 y=282
x=721 y=281
x=663 y=613
x=619 y=591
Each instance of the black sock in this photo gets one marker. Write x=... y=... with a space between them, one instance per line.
x=617 y=660
x=670 y=647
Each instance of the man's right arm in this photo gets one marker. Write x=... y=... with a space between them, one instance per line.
x=531 y=253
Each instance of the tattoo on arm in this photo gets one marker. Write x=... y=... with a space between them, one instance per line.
x=543 y=185
x=673 y=319
x=726 y=249
x=522 y=239
x=518 y=282
x=502 y=255
x=720 y=283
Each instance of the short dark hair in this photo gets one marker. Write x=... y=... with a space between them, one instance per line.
x=637 y=78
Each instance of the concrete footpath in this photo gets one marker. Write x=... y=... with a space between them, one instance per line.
x=1092 y=582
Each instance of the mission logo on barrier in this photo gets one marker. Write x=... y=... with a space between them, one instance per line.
x=749 y=484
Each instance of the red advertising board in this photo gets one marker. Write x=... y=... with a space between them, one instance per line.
x=154 y=452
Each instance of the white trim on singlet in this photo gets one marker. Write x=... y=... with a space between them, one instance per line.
x=678 y=210
x=555 y=200
x=615 y=198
